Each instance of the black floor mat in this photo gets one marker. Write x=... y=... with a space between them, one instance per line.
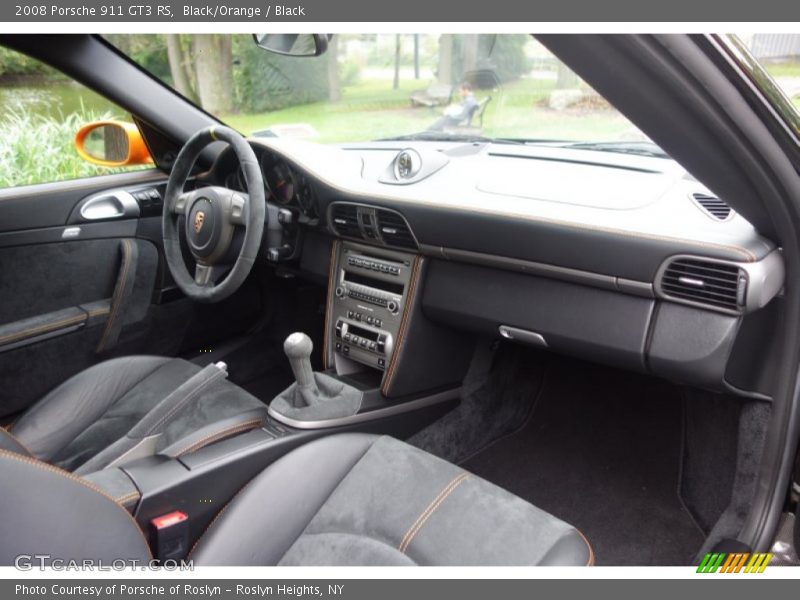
x=602 y=452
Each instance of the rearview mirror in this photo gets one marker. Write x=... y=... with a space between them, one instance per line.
x=112 y=144
x=293 y=44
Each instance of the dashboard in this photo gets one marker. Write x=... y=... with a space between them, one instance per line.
x=620 y=258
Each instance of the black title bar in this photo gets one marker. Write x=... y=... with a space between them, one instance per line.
x=360 y=11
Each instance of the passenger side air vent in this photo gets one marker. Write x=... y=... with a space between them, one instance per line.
x=713 y=206
x=394 y=230
x=344 y=220
x=715 y=284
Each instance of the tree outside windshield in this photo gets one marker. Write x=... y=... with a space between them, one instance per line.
x=370 y=86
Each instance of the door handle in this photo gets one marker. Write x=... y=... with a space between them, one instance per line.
x=115 y=204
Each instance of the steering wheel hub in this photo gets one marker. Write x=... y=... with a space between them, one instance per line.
x=202 y=226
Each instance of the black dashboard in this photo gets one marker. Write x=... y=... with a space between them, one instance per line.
x=619 y=258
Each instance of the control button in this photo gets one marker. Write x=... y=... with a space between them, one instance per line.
x=347 y=337
x=378 y=323
x=339 y=292
x=384 y=268
x=346 y=350
x=370 y=319
x=350 y=314
x=363 y=342
x=358 y=316
x=373 y=346
x=395 y=270
x=338 y=346
x=392 y=307
x=382 y=363
x=285 y=216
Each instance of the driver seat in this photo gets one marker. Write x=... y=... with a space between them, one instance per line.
x=126 y=408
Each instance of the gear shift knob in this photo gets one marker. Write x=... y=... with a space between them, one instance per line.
x=298 y=347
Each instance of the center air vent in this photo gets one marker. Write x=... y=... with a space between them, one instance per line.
x=371 y=224
x=344 y=219
x=698 y=281
x=394 y=229
x=713 y=206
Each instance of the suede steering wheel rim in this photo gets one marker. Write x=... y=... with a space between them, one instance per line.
x=216 y=219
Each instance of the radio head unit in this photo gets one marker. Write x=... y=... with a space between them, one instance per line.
x=370 y=289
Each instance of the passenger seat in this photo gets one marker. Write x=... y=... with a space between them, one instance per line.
x=348 y=499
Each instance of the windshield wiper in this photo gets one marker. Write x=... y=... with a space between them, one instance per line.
x=637 y=148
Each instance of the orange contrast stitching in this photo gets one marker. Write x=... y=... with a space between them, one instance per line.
x=589 y=562
x=42 y=465
x=426 y=514
x=19 y=441
x=331 y=285
x=118 y=292
x=218 y=435
x=401 y=334
x=127 y=497
x=44 y=328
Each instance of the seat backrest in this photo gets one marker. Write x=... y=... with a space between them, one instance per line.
x=45 y=510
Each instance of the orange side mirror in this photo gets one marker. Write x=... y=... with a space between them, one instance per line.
x=112 y=144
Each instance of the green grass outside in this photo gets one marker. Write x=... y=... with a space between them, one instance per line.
x=371 y=110
x=36 y=147
x=783 y=69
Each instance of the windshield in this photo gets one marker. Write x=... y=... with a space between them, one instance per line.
x=375 y=86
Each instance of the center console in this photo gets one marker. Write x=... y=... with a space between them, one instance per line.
x=368 y=304
x=388 y=370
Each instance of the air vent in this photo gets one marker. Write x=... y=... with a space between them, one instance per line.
x=394 y=229
x=344 y=220
x=713 y=206
x=715 y=284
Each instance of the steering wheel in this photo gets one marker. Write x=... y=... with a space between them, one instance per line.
x=217 y=221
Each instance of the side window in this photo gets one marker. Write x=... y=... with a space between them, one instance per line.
x=41 y=111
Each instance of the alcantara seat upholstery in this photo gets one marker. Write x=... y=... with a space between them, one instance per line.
x=348 y=499
x=129 y=407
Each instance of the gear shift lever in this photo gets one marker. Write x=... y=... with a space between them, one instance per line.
x=298 y=347
x=313 y=396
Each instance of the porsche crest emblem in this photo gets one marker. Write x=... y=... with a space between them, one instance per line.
x=199 y=219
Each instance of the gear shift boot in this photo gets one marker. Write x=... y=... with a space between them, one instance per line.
x=313 y=396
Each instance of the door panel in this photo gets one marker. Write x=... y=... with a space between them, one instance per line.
x=59 y=281
x=49 y=205
x=41 y=278
x=59 y=302
x=70 y=300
